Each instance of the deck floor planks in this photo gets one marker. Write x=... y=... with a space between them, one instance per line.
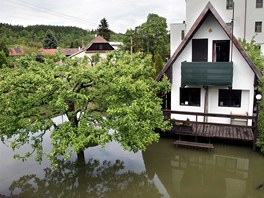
x=228 y=132
x=224 y=132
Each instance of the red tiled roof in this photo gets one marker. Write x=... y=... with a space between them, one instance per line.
x=45 y=52
x=99 y=39
x=16 y=51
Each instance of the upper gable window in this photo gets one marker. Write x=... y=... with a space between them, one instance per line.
x=258 y=26
x=221 y=49
x=229 y=4
x=259 y=3
x=199 y=50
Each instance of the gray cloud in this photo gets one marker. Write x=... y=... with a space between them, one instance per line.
x=120 y=14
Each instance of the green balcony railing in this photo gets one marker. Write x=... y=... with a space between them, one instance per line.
x=207 y=73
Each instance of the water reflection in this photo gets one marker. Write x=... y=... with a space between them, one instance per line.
x=161 y=171
x=92 y=179
x=226 y=172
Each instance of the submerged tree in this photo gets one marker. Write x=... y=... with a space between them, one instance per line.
x=118 y=94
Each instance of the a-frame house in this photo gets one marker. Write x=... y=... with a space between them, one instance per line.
x=210 y=66
x=211 y=74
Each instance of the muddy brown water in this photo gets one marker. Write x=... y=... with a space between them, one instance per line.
x=161 y=171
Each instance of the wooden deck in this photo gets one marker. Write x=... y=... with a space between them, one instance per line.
x=215 y=130
x=194 y=144
x=218 y=131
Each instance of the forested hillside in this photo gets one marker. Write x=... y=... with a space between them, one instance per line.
x=33 y=36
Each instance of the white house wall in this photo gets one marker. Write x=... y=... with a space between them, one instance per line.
x=245 y=16
x=243 y=77
x=176 y=35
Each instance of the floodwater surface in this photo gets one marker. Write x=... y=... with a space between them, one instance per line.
x=161 y=171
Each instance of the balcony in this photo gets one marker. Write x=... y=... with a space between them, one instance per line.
x=207 y=73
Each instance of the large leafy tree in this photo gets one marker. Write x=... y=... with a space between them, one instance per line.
x=153 y=35
x=50 y=41
x=118 y=94
x=103 y=29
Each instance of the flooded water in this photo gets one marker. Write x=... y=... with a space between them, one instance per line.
x=161 y=171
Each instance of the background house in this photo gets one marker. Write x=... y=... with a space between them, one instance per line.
x=210 y=72
x=97 y=46
x=247 y=16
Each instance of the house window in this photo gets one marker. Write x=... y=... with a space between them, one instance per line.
x=259 y=3
x=190 y=96
x=258 y=26
x=199 y=50
x=221 y=51
x=229 y=98
x=229 y=4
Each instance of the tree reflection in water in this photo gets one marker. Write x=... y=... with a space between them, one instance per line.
x=92 y=179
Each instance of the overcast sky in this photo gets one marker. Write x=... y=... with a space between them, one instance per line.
x=120 y=14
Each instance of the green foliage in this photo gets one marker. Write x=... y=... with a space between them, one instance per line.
x=260 y=142
x=95 y=59
x=50 y=41
x=3 y=46
x=158 y=63
x=254 y=53
x=129 y=35
x=153 y=36
x=103 y=29
x=257 y=57
x=32 y=36
x=118 y=94
x=3 y=59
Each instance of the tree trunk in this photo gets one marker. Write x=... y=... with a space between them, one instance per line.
x=81 y=157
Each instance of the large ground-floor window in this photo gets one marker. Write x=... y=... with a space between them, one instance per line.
x=229 y=98
x=190 y=96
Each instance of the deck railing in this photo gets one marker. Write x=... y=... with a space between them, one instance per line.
x=167 y=115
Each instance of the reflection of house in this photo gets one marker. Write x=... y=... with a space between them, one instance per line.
x=97 y=46
x=248 y=18
x=227 y=172
x=210 y=72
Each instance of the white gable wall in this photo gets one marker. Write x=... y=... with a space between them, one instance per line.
x=245 y=16
x=243 y=76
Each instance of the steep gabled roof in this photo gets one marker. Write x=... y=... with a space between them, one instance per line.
x=197 y=24
x=98 y=40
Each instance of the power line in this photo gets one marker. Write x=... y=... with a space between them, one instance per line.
x=50 y=12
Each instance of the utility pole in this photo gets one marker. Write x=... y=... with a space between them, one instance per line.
x=136 y=39
x=131 y=44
